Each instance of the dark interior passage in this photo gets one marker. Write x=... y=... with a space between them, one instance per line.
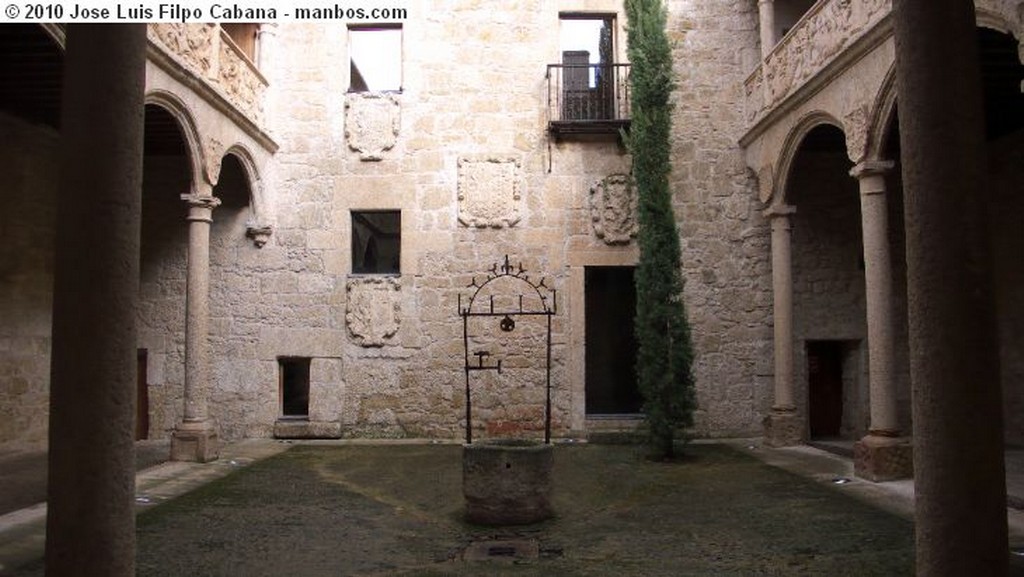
x=611 y=386
x=825 y=385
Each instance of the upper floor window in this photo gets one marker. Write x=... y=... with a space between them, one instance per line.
x=376 y=241
x=588 y=91
x=375 y=58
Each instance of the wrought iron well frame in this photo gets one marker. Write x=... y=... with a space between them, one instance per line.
x=547 y=309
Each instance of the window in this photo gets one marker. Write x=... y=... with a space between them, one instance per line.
x=376 y=241
x=375 y=58
x=294 y=387
x=244 y=36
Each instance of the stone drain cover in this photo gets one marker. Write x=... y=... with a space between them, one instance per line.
x=502 y=550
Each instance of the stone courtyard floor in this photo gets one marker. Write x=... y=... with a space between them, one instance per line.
x=395 y=509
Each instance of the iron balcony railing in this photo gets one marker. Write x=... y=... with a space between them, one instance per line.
x=588 y=97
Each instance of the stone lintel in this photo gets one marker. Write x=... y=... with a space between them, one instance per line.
x=881 y=457
x=195 y=441
x=783 y=427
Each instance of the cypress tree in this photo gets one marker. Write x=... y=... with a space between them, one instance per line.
x=665 y=354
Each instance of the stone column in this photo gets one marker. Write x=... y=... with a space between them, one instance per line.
x=90 y=518
x=782 y=425
x=266 y=40
x=766 y=12
x=195 y=438
x=882 y=455
x=960 y=490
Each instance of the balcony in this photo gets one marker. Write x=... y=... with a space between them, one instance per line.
x=206 y=52
x=830 y=35
x=588 y=99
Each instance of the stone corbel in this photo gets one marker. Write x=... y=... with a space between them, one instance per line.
x=259 y=233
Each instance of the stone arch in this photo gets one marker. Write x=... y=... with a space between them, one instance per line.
x=989 y=18
x=791 y=146
x=258 y=228
x=174 y=106
x=881 y=121
x=245 y=158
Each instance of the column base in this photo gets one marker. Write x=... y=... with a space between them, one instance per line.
x=880 y=458
x=195 y=442
x=783 y=428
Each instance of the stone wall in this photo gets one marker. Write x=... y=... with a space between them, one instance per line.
x=28 y=161
x=463 y=152
x=725 y=239
x=162 y=285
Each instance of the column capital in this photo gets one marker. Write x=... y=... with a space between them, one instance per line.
x=759 y=2
x=781 y=210
x=868 y=168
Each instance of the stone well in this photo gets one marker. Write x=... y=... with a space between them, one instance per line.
x=507 y=481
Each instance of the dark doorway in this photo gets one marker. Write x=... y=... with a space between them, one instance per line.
x=611 y=386
x=142 y=397
x=294 y=375
x=825 y=385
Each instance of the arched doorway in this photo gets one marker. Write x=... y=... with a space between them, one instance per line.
x=828 y=287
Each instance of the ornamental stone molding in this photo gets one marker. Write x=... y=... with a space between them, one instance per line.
x=213 y=153
x=489 y=191
x=829 y=28
x=765 y=183
x=372 y=121
x=374 y=310
x=613 y=209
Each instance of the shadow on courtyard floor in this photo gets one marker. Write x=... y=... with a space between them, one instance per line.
x=396 y=510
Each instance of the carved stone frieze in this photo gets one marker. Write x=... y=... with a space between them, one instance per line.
x=374 y=312
x=613 y=209
x=489 y=191
x=192 y=43
x=819 y=37
x=205 y=51
x=372 y=121
x=240 y=83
